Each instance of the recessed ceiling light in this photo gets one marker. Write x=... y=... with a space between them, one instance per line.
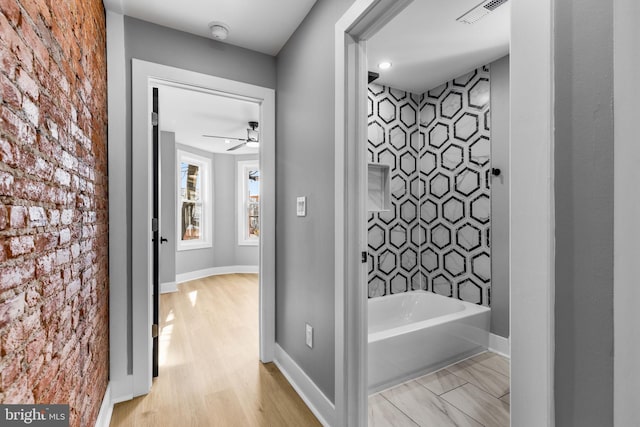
x=384 y=65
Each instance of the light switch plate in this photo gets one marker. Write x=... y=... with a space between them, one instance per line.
x=301 y=206
x=309 y=335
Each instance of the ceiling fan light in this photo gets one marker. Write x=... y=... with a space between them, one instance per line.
x=253 y=144
x=253 y=135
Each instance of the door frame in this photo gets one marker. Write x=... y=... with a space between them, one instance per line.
x=626 y=296
x=531 y=193
x=144 y=76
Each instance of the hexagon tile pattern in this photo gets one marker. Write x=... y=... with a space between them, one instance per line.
x=436 y=236
x=393 y=129
x=463 y=159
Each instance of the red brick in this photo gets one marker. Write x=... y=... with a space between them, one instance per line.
x=37 y=216
x=17 y=217
x=45 y=264
x=52 y=285
x=49 y=374
x=27 y=85
x=38 y=9
x=63 y=256
x=31 y=111
x=4 y=217
x=53 y=125
x=13 y=40
x=67 y=216
x=46 y=242
x=16 y=127
x=62 y=177
x=12 y=276
x=19 y=393
x=40 y=51
x=10 y=372
x=10 y=92
x=11 y=10
x=35 y=368
x=54 y=217
x=20 y=245
x=6 y=184
x=11 y=309
x=28 y=189
x=35 y=347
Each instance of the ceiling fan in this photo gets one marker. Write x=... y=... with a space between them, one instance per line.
x=251 y=141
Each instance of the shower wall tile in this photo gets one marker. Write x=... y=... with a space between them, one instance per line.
x=456 y=164
x=394 y=235
x=437 y=144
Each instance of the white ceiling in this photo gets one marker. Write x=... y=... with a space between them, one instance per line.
x=259 y=25
x=428 y=47
x=191 y=114
x=424 y=42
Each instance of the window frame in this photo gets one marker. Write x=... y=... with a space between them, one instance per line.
x=206 y=202
x=242 y=202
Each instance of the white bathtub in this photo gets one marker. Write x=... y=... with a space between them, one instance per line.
x=414 y=333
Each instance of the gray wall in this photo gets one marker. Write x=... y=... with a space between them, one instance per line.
x=224 y=250
x=168 y=206
x=584 y=213
x=500 y=197
x=304 y=167
x=154 y=43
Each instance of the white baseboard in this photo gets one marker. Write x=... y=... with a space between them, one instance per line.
x=215 y=271
x=317 y=402
x=500 y=345
x=168 y=287
x=106 y=409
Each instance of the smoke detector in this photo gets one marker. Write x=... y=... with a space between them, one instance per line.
x=480 y=11
x=219 y=30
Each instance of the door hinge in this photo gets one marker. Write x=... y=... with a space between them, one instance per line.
x=154 y=118
x=154 y=224
x=154 y=331
x=364 y=257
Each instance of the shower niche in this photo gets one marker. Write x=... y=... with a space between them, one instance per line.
x=379 y=184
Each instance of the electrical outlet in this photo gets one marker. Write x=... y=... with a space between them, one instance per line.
x=309 y=335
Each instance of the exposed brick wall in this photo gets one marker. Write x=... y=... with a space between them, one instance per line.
x=53 y=205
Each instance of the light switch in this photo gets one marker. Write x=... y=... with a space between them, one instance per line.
x=301 y=206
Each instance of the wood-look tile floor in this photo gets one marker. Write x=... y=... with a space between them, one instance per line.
x=471 y=393
x=210 y=374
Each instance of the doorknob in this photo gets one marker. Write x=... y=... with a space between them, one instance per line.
x=162 y=240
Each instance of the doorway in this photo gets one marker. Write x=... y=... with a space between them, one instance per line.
x=531 y=240
x=209 y=188
x=145 y=76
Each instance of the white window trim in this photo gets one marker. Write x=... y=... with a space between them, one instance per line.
x=207 y=202
x=242 y=167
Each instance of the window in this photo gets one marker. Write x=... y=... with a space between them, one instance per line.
x=248 y=202
x=194 y=201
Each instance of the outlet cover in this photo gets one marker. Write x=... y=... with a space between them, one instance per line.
x=309 y=335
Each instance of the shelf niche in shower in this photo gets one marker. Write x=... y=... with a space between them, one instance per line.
x=379 y=185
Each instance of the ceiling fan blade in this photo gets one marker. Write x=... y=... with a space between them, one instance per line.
x=223 y=137
x=237 y=146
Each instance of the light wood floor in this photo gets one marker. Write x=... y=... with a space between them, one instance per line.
x=210 y=374
x=472 y=393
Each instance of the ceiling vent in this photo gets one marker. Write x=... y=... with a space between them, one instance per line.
x=480 y=11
